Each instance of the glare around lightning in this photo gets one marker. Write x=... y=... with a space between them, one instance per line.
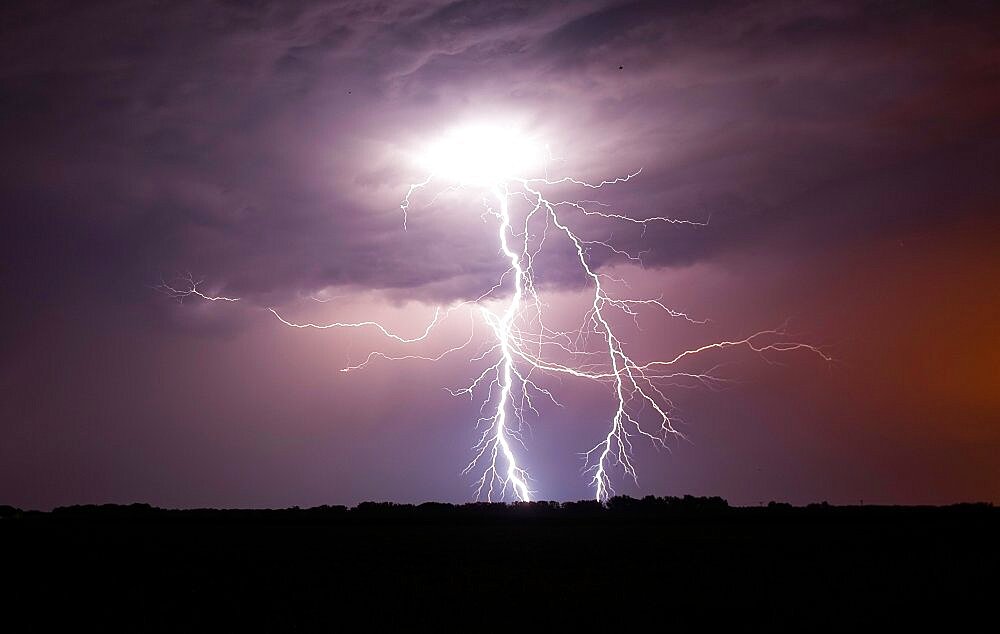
x=523 y=347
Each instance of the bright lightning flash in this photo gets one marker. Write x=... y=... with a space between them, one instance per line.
x=497 y=161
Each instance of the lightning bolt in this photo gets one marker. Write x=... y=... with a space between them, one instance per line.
x=524 y=347
x=187 y=286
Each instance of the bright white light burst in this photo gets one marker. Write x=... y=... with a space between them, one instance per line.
x=482 y=155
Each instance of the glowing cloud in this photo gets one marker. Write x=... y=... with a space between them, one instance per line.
x=482 y=154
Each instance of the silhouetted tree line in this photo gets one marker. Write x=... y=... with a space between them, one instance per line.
x=616 y=509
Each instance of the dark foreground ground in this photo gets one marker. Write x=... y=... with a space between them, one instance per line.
x=665 y=561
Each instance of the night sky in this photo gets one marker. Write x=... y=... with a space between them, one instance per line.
x=845 y=157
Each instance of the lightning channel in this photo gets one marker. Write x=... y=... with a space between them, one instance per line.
x=525 y=349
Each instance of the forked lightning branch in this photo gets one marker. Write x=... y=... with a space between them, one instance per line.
x=525 y=345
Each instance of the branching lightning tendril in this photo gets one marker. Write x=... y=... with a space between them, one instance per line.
x=524 y=347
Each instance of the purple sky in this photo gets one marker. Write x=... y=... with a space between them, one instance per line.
x=846 y=155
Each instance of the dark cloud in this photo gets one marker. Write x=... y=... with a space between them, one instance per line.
x=228 y=136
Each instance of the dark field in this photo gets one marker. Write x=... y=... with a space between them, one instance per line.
x=670 y=562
